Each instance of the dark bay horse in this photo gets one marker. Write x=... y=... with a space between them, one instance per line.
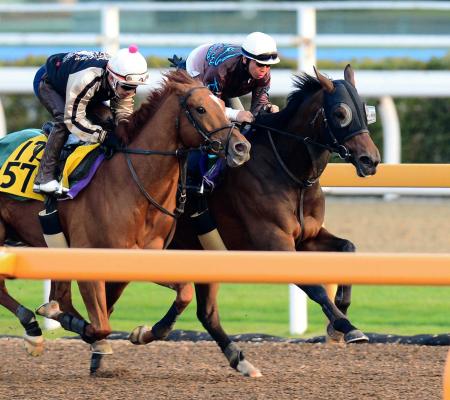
x=130 y=201
x=275 y=201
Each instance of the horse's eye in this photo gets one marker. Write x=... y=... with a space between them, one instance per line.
x=200 y=110
x=343 y=114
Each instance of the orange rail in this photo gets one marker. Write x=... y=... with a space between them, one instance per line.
x=389 y=175
x=228 y=266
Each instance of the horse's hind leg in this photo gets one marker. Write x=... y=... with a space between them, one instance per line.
x=33 y=339
x=208 y=315
x=159 y=331
x=339 y=327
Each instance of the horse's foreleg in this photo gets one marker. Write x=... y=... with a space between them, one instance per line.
x=159 y=331
x=94 y=298
x=208 y=315
x=33 y=339
x=336 y=312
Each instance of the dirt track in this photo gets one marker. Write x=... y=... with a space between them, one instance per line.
x=186 y=370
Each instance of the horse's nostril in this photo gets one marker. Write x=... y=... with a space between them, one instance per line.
x=366 y=161
x=240 y=147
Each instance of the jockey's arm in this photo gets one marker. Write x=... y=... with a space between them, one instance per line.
x=122 y=108
x=81 y=88
x=260 y=100
x=238 y=115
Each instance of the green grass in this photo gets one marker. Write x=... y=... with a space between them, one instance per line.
x=263 y=309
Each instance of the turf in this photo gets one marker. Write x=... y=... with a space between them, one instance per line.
x=260 y=308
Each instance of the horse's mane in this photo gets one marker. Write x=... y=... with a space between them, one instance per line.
x=306 y=85
x=152 y=103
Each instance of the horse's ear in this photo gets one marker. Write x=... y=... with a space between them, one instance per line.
x=349 y=75
x=326 y=83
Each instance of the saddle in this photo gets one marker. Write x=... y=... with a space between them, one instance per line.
x=20 y=155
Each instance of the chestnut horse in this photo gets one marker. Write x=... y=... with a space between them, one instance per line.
x=130 y=201
x=275 y=201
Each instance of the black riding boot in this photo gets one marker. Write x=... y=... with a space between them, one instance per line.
x=46 y=177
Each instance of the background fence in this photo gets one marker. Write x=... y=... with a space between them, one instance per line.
x=293 y=24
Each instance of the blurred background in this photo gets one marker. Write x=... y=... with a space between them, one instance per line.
x=401 y=54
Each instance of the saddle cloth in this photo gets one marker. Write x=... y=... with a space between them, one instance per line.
x=20 y=155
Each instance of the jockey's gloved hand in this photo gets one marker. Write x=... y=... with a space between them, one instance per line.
x=112 y=141
x=177 y=62
x=111 y=144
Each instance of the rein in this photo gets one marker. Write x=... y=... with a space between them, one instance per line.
x=214 y=146
x=335 y=147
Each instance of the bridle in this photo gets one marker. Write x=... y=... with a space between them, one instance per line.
x=213 y=145
x=334 y=144
x=335 y=140
x=209 y=145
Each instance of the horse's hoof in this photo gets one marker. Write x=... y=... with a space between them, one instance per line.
x=102 y=347
x=34 y=345
x=334 y=336
x=137 y=334
x=247 y=369
x=49 y=310
x=355 y=336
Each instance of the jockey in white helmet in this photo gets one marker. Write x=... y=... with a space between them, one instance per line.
x=230 y=71
x=70 y=82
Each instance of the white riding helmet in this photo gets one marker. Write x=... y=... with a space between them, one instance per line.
x=260 y=47
x=128 y=67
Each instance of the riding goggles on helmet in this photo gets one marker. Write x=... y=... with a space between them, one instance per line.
x=141 y=78
x=260 y=57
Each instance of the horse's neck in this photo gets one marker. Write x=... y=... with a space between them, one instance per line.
x=158 y=175
x=303 y=161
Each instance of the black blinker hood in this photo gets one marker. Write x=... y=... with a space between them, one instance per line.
x=345 y=93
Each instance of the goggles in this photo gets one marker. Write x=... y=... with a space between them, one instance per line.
x=130 y=77
x=260 y=57
x=261 y=65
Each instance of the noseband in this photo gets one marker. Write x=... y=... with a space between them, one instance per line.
x=212 y=145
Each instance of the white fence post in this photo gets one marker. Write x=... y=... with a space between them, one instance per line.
x=49 y=324
x=391 y=131
x=306 y=29
x=298 y=312
x=391 y=136
x=110 y=29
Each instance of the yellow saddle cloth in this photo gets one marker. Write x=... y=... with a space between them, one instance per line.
x=18 y=172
